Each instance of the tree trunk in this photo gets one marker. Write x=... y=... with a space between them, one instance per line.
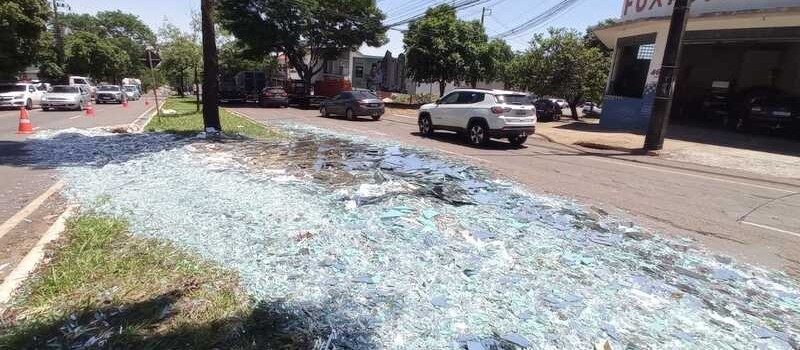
x=442 y=85
x=210 y=68
x=474 y=84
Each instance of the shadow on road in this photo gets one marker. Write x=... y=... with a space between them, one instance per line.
x=458 y=139
x=150 y=324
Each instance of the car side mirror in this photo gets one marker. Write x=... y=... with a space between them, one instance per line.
x=438 y=101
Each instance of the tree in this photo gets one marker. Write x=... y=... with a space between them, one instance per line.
x=496 y=62
x=308 y=32
x=234 y=57
x=561 y=64
x=591 y=40
x=433 y=54
x=474 y=49
x=210 y=70
x=123 y=30
x=180 y=56
x=89 y=54
x=22 y=23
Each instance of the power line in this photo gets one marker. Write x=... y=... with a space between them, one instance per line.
x=537 y=20
x=457 y=5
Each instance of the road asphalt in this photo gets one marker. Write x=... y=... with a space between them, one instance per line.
x=20 y=184
x=751 y=217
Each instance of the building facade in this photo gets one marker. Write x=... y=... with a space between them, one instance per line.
x=731 y=47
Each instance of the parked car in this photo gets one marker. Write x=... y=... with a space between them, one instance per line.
x=562 y=103
x=16 y=95
x=547 y=109
x=86 y=82
x=353 y=104
x=481 y=115
x=66 y=97
x=273 y=96
x=132 y=91
x=590 y=108
x=768 y=108
x=110 y=94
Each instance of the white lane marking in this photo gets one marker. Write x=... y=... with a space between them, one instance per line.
x=29 y=209
x=771 y=228
x=75 y=117
x=34 y=256
x=618 y=162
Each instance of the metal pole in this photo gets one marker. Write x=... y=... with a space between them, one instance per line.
x=662 y=106
x=483 y=15
x=58 y=36
x=155 y=82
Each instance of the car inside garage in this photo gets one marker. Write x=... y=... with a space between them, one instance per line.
x=743 y=79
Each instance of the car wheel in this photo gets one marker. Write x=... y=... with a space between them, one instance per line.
x=29 y=104
x=477 y=134
x=518 y=140
x=556 y=117
x=349 y=114
x=45 y=109
x=376 y=117
x=323 y=111
x=425 y=126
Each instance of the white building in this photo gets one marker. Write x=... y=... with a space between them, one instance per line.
x=730 y=46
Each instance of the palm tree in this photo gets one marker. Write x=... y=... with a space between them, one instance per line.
x=210 y=68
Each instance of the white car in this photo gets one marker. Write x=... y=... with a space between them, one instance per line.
x=589 y=108
x=18 y=95
x=132 y=91
x=481 y=115
x=560 y=102
x=66 y=97
x=85 y=82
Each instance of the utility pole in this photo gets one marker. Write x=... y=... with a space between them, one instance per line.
x=155 y=82
x=59 y=37
x=662 y=106
x=483 y=14
x=210 y=68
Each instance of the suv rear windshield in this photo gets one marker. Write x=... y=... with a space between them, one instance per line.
x=65 y=90
x=108 y=88
x=514 y=99
x=129 y=88
x=12 y=88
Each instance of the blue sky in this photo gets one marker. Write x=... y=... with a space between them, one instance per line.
x=505 y=14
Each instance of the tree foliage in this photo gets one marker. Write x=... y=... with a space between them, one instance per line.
x=561 y=64
x=22 y=23
x=180 y=56
x=321 y=29
x=442 y=49
x=89 y=54
x=591 y=40
x=433 y=54
x=124 y=31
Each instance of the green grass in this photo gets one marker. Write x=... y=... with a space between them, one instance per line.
x=189 y=121
x=148 y=295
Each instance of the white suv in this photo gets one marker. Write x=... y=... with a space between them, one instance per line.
x=480 y=115
x=18 y=95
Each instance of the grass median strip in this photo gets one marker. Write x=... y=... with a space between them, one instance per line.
x=187 y=120
x=105 y=288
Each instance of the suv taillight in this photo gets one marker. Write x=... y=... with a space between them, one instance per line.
x=500 y=110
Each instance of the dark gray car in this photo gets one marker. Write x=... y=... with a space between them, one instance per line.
x=111 y=94
x=353 y=104
x=273 y=96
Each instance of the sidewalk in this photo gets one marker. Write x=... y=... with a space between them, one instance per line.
x=717 y=148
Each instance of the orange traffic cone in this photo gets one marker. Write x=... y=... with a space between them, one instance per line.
x=89 y=110
x=146 y=102
x=25 y=126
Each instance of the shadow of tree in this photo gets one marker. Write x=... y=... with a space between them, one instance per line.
x=149 y=325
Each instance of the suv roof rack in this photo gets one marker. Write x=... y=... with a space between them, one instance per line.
x=469 y=88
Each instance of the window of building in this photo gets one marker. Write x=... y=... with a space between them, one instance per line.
x=359 y=71
x=646 y=52
x=633 y=56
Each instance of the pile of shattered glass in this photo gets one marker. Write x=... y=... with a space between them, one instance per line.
x=377 y=246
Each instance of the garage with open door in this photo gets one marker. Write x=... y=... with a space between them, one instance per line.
x=740 y=66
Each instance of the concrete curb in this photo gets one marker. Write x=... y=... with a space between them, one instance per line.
x=30 y=208
x=33 y=258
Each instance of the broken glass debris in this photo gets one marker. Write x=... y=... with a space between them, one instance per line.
x=371 y=233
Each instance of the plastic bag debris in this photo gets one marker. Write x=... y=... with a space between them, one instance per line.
x=369 y=233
